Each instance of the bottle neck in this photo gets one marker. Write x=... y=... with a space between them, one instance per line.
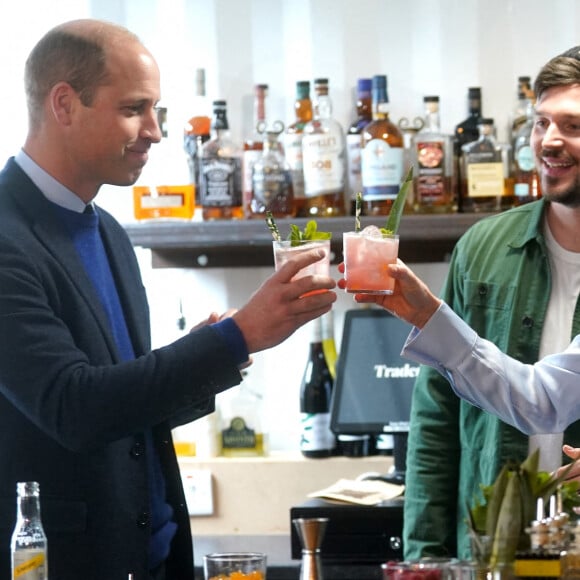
x=474 y=107
x=432 y=120
x=220 y=122
x=486 y=132
x=323 y=107
x=28 y=508
x=380 y=105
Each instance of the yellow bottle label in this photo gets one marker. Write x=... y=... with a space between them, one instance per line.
x=29 y=566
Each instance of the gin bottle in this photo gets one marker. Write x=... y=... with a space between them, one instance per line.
x=381 y=156
x=433 y=162
x=271 y=180
x=518 y=115
x=221 y=171
x=293 y=143
x=324 y=159
x=28 y=545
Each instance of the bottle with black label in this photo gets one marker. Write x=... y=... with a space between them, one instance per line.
x=28 y=545
x=317 y=440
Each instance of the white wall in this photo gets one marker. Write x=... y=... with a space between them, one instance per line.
x=424 y=46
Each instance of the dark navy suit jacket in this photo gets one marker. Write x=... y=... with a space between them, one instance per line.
x=71 y=414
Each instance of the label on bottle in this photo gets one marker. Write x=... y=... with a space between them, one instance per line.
x=353 y=157
x=270 y=185
x=485 y=179
x=525 y=158
x=220 y=182
x=29 y=564
x=431 y=173
x=238 y=435
x=316 y=433
x=293 y=155
x=382 y=170
x=323 y=164
x=249 y=159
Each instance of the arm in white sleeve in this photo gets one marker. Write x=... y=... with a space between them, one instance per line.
x=539 y=398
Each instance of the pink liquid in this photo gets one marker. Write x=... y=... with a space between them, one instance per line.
x=366 y=260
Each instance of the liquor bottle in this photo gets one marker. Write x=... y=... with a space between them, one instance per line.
x=328 y=343
x=433 y=164
x=381 y=156
x=241 y=432
x=483 y=171
x=364 y=115
x=293 y=143
x=466 y=132
x=526 y=181
x=271 y=179
x=317 y=439
x=253 y=146
x=197 y=132
x=221 y=171
x=164 y=188
x=28 y=545
x=517 y=116
x=324 y=159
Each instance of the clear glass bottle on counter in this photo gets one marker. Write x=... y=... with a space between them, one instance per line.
x=28 y=545
x=526 y=180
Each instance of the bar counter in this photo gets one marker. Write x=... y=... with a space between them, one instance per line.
x=281 y=566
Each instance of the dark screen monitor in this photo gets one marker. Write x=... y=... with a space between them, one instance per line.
x=374 y=383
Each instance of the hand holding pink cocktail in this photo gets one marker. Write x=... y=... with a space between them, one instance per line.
x=368 y=253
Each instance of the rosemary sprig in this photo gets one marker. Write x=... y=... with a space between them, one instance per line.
x=271 y=223
x=357 y=211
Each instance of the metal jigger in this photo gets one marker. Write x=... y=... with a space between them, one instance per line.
x=311 y=532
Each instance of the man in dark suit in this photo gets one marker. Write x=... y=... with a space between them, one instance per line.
x=86 y=406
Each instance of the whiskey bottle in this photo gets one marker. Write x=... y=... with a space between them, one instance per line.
x=317 y=439
x=293 y=143
x=526 y=181
x=271 y=180
x=164 y=189
x=381 y=155
x=433 y=164
x=221 y=171
x=364 y=115
x=197 y=132
x=483 y=171
x=324 y=162
x=466 y=132
x=28 y=544
x=253 y=146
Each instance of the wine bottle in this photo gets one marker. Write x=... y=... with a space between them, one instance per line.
x=317 y=439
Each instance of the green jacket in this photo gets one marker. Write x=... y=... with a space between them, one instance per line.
x=499 y=283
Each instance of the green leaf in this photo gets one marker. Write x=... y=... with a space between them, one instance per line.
x=310 y=233
x=396 y=212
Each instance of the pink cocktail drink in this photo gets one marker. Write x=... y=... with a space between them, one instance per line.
x=284 y=252
x=367 y=255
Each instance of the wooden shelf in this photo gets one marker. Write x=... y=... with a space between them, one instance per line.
x=243 y=243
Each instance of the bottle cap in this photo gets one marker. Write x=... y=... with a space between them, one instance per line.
x=364 y=85
x=431 y=99
x=486 y=121
x=474 y=92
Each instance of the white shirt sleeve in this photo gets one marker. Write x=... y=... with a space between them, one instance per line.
x=539 y=398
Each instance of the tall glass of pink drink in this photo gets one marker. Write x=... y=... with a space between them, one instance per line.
x=367 y=255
